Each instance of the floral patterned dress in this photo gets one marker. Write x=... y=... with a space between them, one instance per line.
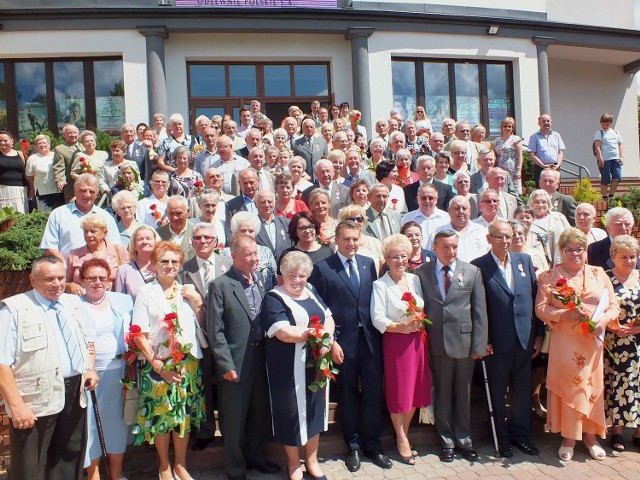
x=622 y=381
x=506 y=153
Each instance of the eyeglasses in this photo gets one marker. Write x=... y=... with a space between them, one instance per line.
x=502 y=237
x=573 y=251
x=169 y=262
x=430 y=198
x=465 y=130
x=160 y=182
x=306 y=228
x=490 y=200
x=397 y=258
x=356 y=219
x=96 y=279
x=463 y=181
x=203 y=238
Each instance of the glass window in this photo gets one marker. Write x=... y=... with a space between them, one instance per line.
x=499 y=100
x=68 y=78
x=31 y=97
x=3 y=99
x=109 y=87
x=242 y=80
x=277 y=81
x=403 y=75
x=436 y=93
x=207 y=81
x=467 y=92
x=310 y=80
x=209 y=111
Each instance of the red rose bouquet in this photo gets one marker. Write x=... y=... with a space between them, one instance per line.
x=130 y=357
x=85 y=166
x=176 y=352
x=416 y=313
x=318 y=340
x=159 y=217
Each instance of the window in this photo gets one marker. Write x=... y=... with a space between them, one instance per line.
x=38 y=95
x=476 y=91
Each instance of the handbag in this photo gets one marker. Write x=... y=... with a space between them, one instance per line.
x=201 y=337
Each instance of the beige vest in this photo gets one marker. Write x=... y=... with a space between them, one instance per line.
x=37 y=368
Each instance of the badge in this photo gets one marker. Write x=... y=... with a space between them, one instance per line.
x=521 y=268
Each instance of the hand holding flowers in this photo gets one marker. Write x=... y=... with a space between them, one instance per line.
x=319 y=340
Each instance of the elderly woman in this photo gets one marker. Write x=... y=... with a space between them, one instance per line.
x=13 y=191
x=403 y=162
x=320 y=208
x=519 y=245
x=535 y=240
x=359 y=193
x=139 y=271
x=39 y=174
x=387 y=174
x=585 y=218
x=478 y=135
x=621 y=377
x=575 y=385
x=177 y=138
x=151 y=210
x=338 y=159
x=327 y=132
x=111 y=170
x=367 y=245
x=280 y=139
x=286 y=205
x=298 y=414
x=405 y=350
x=508 y=148
x=125 y=203
x=376 y=149
x=91 y=160
x=158 y=126
x=111 y=314
x=546 y=222
x=304 y=231
x=418 y=255
x=271 y=157
x=97 y=246
x=297 y=166
x=462 y=184
x=183 y=174
x=171 y=399
x=208 y=203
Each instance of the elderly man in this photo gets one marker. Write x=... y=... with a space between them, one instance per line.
x=290 y=126
x=436 y=143
x=200 y=271
x=383 y=221
x=226 y=161
x=201 y=123
x=565 y=204
x=257 y=161
x=457 y=337
x=382 y=129
x=397 y=142
x=427 y=215
x=45 y=350
x=134 y=150
x=179 y=230
x=585 y=218
x=618 y=221
x=237 y=344
x=253 y=138
x=486 y=161
x=314 y=107
x=63 y=232
x=249 y=185
x=355 y=170
x=209 y=137
x=496 y=180
x=310 y=146
x=488 y=203
x=472 y=238
x=230 y=129
x=426 y=169
x=515 y=335
x=63 y=159
x=463 y=133
x=340 y=141
x=448 y=129
x=546 y=147
x=274 y=229
x=338 y=193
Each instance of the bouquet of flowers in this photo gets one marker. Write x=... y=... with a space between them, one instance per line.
x=129 y=381
x=134 y=186
x=176 y=353
x=198 y=187
x=416 y=313
x=319 y=340
x=85 y=166
x=355 y=118
x=159 y=217
x=196 y=150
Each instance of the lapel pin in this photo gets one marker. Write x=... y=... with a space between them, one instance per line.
x=521 y=268
x=460 y=278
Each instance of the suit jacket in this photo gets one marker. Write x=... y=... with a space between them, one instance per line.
x=231 y=326
x=371 y=228
x=140 y=156
x=510 y=311
x=511 y=202
x=478 y=187
x=566 y=205
x=164 y=233
x=62 y=162
x=235 y=205
x=192 y=275
x=349 y=308
x=339 y=197
x=459 y=327
x=311 y=152
x=598 y=254
x=282 y=236
x=243 y=152
x=265 y=178
x=366 y=175
x=445 y=194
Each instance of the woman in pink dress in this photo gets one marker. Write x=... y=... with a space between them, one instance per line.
x=575 y=377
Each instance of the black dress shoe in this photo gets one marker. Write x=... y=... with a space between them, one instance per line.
x=380 y=459
x=505 y=451
x=201 y=443
x=352 y=462
x=525 y=447
x=265 y=467
x=446 y=455
x=469 y=454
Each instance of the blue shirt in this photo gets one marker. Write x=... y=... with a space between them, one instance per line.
x=546 y=148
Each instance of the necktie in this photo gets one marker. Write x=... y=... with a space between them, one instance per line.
x=69 y=334
x=384 y=231
x=209 y=274
x=447 y=280
x=352 y=275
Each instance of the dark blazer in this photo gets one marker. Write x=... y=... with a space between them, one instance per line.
x=235 y=205
x=191 y=274
x=243 y=152
x=282 y=236
x=231 y=326
x=476 y=184
x=510 y=312
x=140 y=156
x=566 y=205
x=310 y=152
x=164 y=233
x=349 y=308
x=445 y=194
x=371 y=227
x=339 y=197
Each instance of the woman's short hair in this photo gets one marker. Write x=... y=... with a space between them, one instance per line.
x=158 y=115
x=572 y=235
x=397 y=240
x=179 y=151
x=95 y=262
x=459 y=174
x=318 y=192
x=508 y=121
x=293 y=225
x=408 y=225
x=87 y=133
x=133 y=253
x=357 y=183
x=243 y=217
x=42 y=137
x=517 y=224
x=280 y=132
x=376 y=140
x=94 y=220
x=208 y=194
x=337 y=154
x=623 y=242
x=175 y=118
x=539 y=193
x=283 y=179
x=384 y=169
x=524 y=209
x=124 y=196
x=296 y=261
x=118 y=144
x=163 y=247
x=160 y=173
x=297 y=159
x=353 y=210
x=403 y=152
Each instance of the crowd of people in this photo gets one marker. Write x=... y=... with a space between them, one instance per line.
x=248 y=271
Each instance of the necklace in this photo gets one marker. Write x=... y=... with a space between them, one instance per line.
x=174 y=292
x=98 y=302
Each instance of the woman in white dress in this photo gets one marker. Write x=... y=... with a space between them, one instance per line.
x=546 y=222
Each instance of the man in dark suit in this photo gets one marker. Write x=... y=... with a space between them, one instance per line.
x=515 y=335
x=496 y=180
x=249 y=185
x=382 y=220
x=345 y=282
x=134 y=151
x=63 y=159
x=338 y=193
x=618 y=221
x=253 y=139
x=457 y=337
x=355 y=171
x=486 y=161
x=426 y=168
x=309 y=146
x=565 y=204
x=236 y=342
x=273 y=233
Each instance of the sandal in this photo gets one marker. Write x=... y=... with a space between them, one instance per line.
x=408 y=460
x=414 y=453
x=596 y=452
x=617 y=442
x=565 y=453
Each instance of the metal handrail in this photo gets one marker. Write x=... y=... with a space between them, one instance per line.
x=577 y=174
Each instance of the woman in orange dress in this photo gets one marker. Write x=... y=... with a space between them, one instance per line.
x=575 y=381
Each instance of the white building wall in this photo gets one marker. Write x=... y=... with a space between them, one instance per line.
x=580 y=93
x=525 y=5
x=128 y=44
x=616 y=14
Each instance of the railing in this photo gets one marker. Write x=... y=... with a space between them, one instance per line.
x=577 y=174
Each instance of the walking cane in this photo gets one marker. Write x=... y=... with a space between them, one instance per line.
x=103 y=445
x=492 y=415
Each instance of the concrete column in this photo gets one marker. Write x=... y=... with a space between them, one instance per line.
x=156 y=77
x=542 y=43
x=359 y=36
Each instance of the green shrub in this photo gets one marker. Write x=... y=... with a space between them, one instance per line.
x=629 y=200
x=20 y=245
x=584 y=192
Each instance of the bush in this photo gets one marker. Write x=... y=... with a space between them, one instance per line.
x=20 y=245
x=103 y=141
x=629 y=200
x=584 y=192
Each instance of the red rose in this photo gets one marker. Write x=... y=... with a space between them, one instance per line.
x=197 y=184
x=314 y=319
x=153 y=207
x=561 y=282
x=134 y=329
x=407 y=297
x=171 y=316
x=394 y=200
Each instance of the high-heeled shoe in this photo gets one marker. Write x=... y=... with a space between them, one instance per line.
x=176 y=477
x=565 y=453
x=596 y=452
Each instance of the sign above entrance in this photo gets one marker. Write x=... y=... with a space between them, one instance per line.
x=259 y=3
